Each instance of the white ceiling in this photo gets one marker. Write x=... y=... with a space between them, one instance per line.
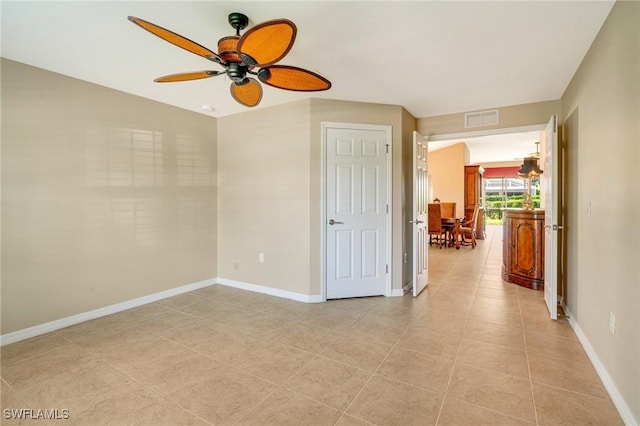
x=431 y=57
x=500 y=148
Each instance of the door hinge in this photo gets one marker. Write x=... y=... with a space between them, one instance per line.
x=387 y=146
x=387 y=268
x=387 y=208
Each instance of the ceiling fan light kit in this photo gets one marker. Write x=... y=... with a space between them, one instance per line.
x=254 y=53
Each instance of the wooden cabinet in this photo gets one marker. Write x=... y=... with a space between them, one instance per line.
x=523 y=247
x=473 y=196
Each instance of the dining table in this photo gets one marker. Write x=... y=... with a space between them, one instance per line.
x=452 y=227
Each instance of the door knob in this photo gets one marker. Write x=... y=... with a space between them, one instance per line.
x=333 y=222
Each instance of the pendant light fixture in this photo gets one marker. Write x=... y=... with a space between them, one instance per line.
x=529 y=169
x=530 y=166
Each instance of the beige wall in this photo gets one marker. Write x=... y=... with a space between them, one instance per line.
x=107 y=221
x=601 y=108
x=106 y=197
x=264 y=198
x=510 y=116
x=270 y=193
x=446 y=175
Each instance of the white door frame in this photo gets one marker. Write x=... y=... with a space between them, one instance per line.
x=325 y=125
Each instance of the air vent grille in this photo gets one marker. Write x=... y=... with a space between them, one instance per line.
x=482 y=118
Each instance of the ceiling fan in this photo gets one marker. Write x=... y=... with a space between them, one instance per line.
x=252 y=54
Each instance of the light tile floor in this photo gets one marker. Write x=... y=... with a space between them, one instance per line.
x=471 y=350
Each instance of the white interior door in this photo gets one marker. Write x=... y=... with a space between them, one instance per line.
x=549 y=181
x=356 y=204
x=419 y=222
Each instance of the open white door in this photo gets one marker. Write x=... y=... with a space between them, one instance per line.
x=419 y=222
x=549 y=184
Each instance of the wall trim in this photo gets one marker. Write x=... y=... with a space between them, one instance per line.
x=397 y=292
x=623 y=409
x=59 y=324
x=299 y=297
x=48 y=327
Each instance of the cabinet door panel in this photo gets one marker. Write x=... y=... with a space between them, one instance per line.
x=525 y=247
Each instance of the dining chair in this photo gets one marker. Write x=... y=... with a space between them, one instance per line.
x=448 y=209
x=434 y=222
x=468 y=229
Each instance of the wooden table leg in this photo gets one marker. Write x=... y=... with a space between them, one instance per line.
x=456 y=232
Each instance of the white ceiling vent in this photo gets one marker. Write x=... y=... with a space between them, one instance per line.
x=482 y=118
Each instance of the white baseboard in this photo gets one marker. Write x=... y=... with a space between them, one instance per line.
x=618 y=401
x=48 y=327
x=397 y=292
x=306 y=298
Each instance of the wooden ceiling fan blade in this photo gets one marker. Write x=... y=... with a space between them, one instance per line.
x=248 y=93
x=293 y=78
x=186 y=76
x=267 y=43
x=175 y=39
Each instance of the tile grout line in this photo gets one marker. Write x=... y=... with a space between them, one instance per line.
x=455 y=359
x=466 y=321
x=535 y=411
x=526 y=354
x=277 y=386
x=150 y=389
x=373 y=373
x=100 y=357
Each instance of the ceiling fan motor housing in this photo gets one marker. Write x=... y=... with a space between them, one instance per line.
x=236 y=72
x=228 y=52
x=228 y=49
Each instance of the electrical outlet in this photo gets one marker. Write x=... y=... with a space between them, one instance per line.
x=612 y=323
x=261 y=257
